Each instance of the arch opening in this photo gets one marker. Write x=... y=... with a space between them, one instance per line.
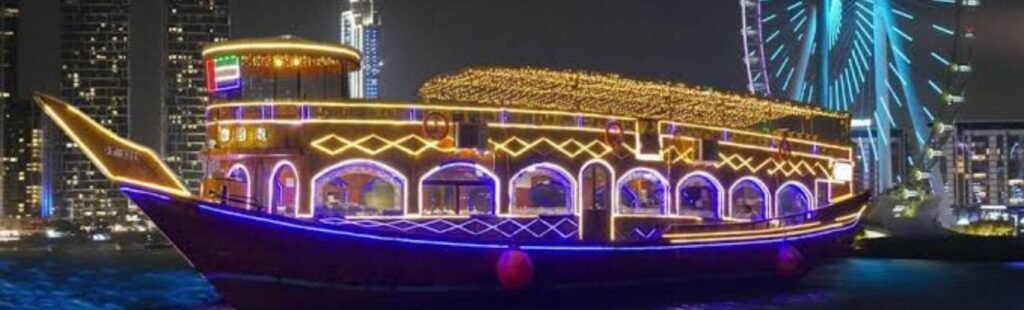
x=643 y=191
x=699 y=194
x=359 y=188
x=793 y=198
x=749 y=200
x=458 y=189
x=239 y=191
x=283 y=195
x=542 y=189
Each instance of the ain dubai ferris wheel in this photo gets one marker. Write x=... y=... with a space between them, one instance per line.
x=891 y=63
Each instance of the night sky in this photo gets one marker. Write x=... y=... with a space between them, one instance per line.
x=691 y=41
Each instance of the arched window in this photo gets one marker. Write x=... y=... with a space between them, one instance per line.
x=792 y=198
x=240 y=190
x=596 y=190
x=458 y=189
x=643 y=191
x=749 y=200
x=283 y=195
x=699 y=194
x=359 y=187
x=542 y=189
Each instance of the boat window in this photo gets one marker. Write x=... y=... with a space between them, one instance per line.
x=792 y=198
x=748 y=200
x=699 y=194
x=359 y=189
x=542 y=189
x=459 y=189
x=643 y=191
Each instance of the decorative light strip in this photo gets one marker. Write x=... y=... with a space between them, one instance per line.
x=401 y=105
x=474 y=227
x=738 y=232
x=771 y=235
x=322 y=144
x=568 y=248
x=506 y=146
x=242 y=47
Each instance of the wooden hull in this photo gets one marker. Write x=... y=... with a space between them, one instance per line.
x=257 y=260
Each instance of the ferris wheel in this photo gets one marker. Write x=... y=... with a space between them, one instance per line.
x=890 y=63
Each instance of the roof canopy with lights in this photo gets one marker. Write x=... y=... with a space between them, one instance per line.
x=588 y=92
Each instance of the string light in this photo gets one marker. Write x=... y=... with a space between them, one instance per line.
x=608 y=93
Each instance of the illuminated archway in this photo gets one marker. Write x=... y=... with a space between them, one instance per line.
x=793 y=198
x=542 y=189
x=240 y=173
x=459 y=189
x=699 y=194
x=358 y=187
x=643 y=191
x=283 y=189
x=749 y=199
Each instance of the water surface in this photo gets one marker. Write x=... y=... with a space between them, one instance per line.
x=160 y=279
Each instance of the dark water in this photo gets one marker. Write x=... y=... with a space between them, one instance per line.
x=162 y=280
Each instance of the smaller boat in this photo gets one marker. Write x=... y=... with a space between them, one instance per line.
x=501 y=180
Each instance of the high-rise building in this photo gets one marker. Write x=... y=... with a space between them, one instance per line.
x=361 y=29
x=190 y=25
x=985 y=163
x=94 y=77
x=8 y=84
x=22 y=160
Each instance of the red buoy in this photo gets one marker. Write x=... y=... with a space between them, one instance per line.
x=515 y=270
x=789 y=262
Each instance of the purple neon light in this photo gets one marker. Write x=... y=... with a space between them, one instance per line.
x=581 y=248
x=475 y=227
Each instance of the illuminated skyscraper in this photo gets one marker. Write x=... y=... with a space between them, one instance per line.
x=190 y=25
x=94 y=77
x=360 y=28
x=22 y=159
x=22 y=138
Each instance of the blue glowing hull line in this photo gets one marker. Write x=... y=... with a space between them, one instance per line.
x=258 y=259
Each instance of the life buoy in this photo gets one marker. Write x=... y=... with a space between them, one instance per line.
x=789 y=263
x=785 y=150
x=436 y=126
x=514 y=269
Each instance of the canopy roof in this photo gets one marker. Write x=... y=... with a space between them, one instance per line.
x=588 y=92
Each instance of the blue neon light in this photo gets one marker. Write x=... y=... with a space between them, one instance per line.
x=942 y=29
x=935 y=87
x=587 y=248
x=902 y=14
x=940 y=59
